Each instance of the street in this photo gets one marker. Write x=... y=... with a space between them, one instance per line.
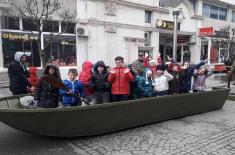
x=208 y=133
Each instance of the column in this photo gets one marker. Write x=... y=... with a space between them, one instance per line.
x=1 y=51
x=195 y=51
x=155 y=44
x=209 y=50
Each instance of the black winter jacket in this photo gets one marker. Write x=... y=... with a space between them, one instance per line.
x=18 y=75
x=46 y=95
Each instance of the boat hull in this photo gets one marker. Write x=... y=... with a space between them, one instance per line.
x=111 y=117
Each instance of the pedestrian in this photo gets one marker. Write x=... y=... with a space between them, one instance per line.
x=147 y=85
x=178 y=76
x=47 y=95
x=199 y=82
x=84 y=78
x=188 y=73
x=18 y=74
x=119 y=77
x=75 y=87
x=32 y=79
x=99 y=84
x=137 y=70
x=153 y=67
x=161 y=80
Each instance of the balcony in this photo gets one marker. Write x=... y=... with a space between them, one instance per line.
x=6 y=3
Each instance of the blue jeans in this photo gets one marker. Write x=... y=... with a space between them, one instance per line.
x=161 y=93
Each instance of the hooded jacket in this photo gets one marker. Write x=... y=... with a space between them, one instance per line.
x=46 y=94
x=199 y=81
x=98 y=82
x=32 y=79
x=85 y=76
x=147 y=84
x=18 y=74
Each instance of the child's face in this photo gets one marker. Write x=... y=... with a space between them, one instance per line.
x=159 y=72
x=51 y=70
x=100 y=69
x=152 y=64
x=72 y=76
x=186 y=64
x=201 y=71
x=175 y=68
x=119 y=63
x=149 y=75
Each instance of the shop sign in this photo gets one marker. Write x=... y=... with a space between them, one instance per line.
x=162 y=24
x=206 y=31
x=221 y=34
x=18 y=36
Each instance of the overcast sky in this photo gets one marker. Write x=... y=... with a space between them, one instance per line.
x=229 y=1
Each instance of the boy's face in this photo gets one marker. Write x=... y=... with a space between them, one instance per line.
x=119 y=63
x=186 y=64
x=23 y=59
x=100 y=69
x=72 y=76
x=175 y=68
x=51 y=70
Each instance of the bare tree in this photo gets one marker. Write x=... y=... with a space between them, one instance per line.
x=44 y=16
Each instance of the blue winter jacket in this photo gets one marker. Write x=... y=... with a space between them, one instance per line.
x=77 y=88
x=186 y=81
x=146 y=85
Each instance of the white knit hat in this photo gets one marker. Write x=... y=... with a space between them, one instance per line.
x=149 y=72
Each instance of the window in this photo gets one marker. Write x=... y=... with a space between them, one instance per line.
x=50 y=26
x=30 y=24
x=61 y=50
x=206 y=10
x=147 y=39
x=215 y=12
x=68 y=27
x=12 y=42
x=223 y=14
x=233 y=16
x=148 y=16
x=10 y=23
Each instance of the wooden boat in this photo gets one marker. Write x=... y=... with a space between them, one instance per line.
x=110 y=117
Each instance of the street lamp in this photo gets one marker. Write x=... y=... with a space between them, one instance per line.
x=175 y=15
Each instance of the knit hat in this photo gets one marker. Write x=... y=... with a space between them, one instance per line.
x=18 y=55
x=146 y=78
x=152 y=61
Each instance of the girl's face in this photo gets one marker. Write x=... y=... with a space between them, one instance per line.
x=149 y=75
x=51 y=70
x=100 y=69
x=201 y=71
x=159 y=72
x=152 y=64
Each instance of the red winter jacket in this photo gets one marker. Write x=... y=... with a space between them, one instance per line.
x=85 y=76
x=120 y=81
x=32 y=79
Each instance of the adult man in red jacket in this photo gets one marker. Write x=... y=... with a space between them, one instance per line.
x=119 y=77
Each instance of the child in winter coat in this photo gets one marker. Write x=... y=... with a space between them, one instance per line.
x=153 y=67
x=174 y=84
x=47 y=95
x=98 y=82
x=32 y=79
x=147 y=84
x=74 y=87
x=200 y=75
x=161 y=80
x=137 y=69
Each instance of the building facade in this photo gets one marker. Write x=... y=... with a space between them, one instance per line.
x=105 y=29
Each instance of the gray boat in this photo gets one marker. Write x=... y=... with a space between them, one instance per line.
x=106 y=118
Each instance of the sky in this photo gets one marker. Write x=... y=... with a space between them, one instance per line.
x=229 y=1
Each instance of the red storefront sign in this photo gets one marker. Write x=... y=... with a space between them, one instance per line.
x=206 y=31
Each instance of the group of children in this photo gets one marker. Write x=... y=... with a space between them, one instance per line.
x=101 y=84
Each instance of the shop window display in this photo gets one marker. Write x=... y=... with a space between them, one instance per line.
x=61 y=50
